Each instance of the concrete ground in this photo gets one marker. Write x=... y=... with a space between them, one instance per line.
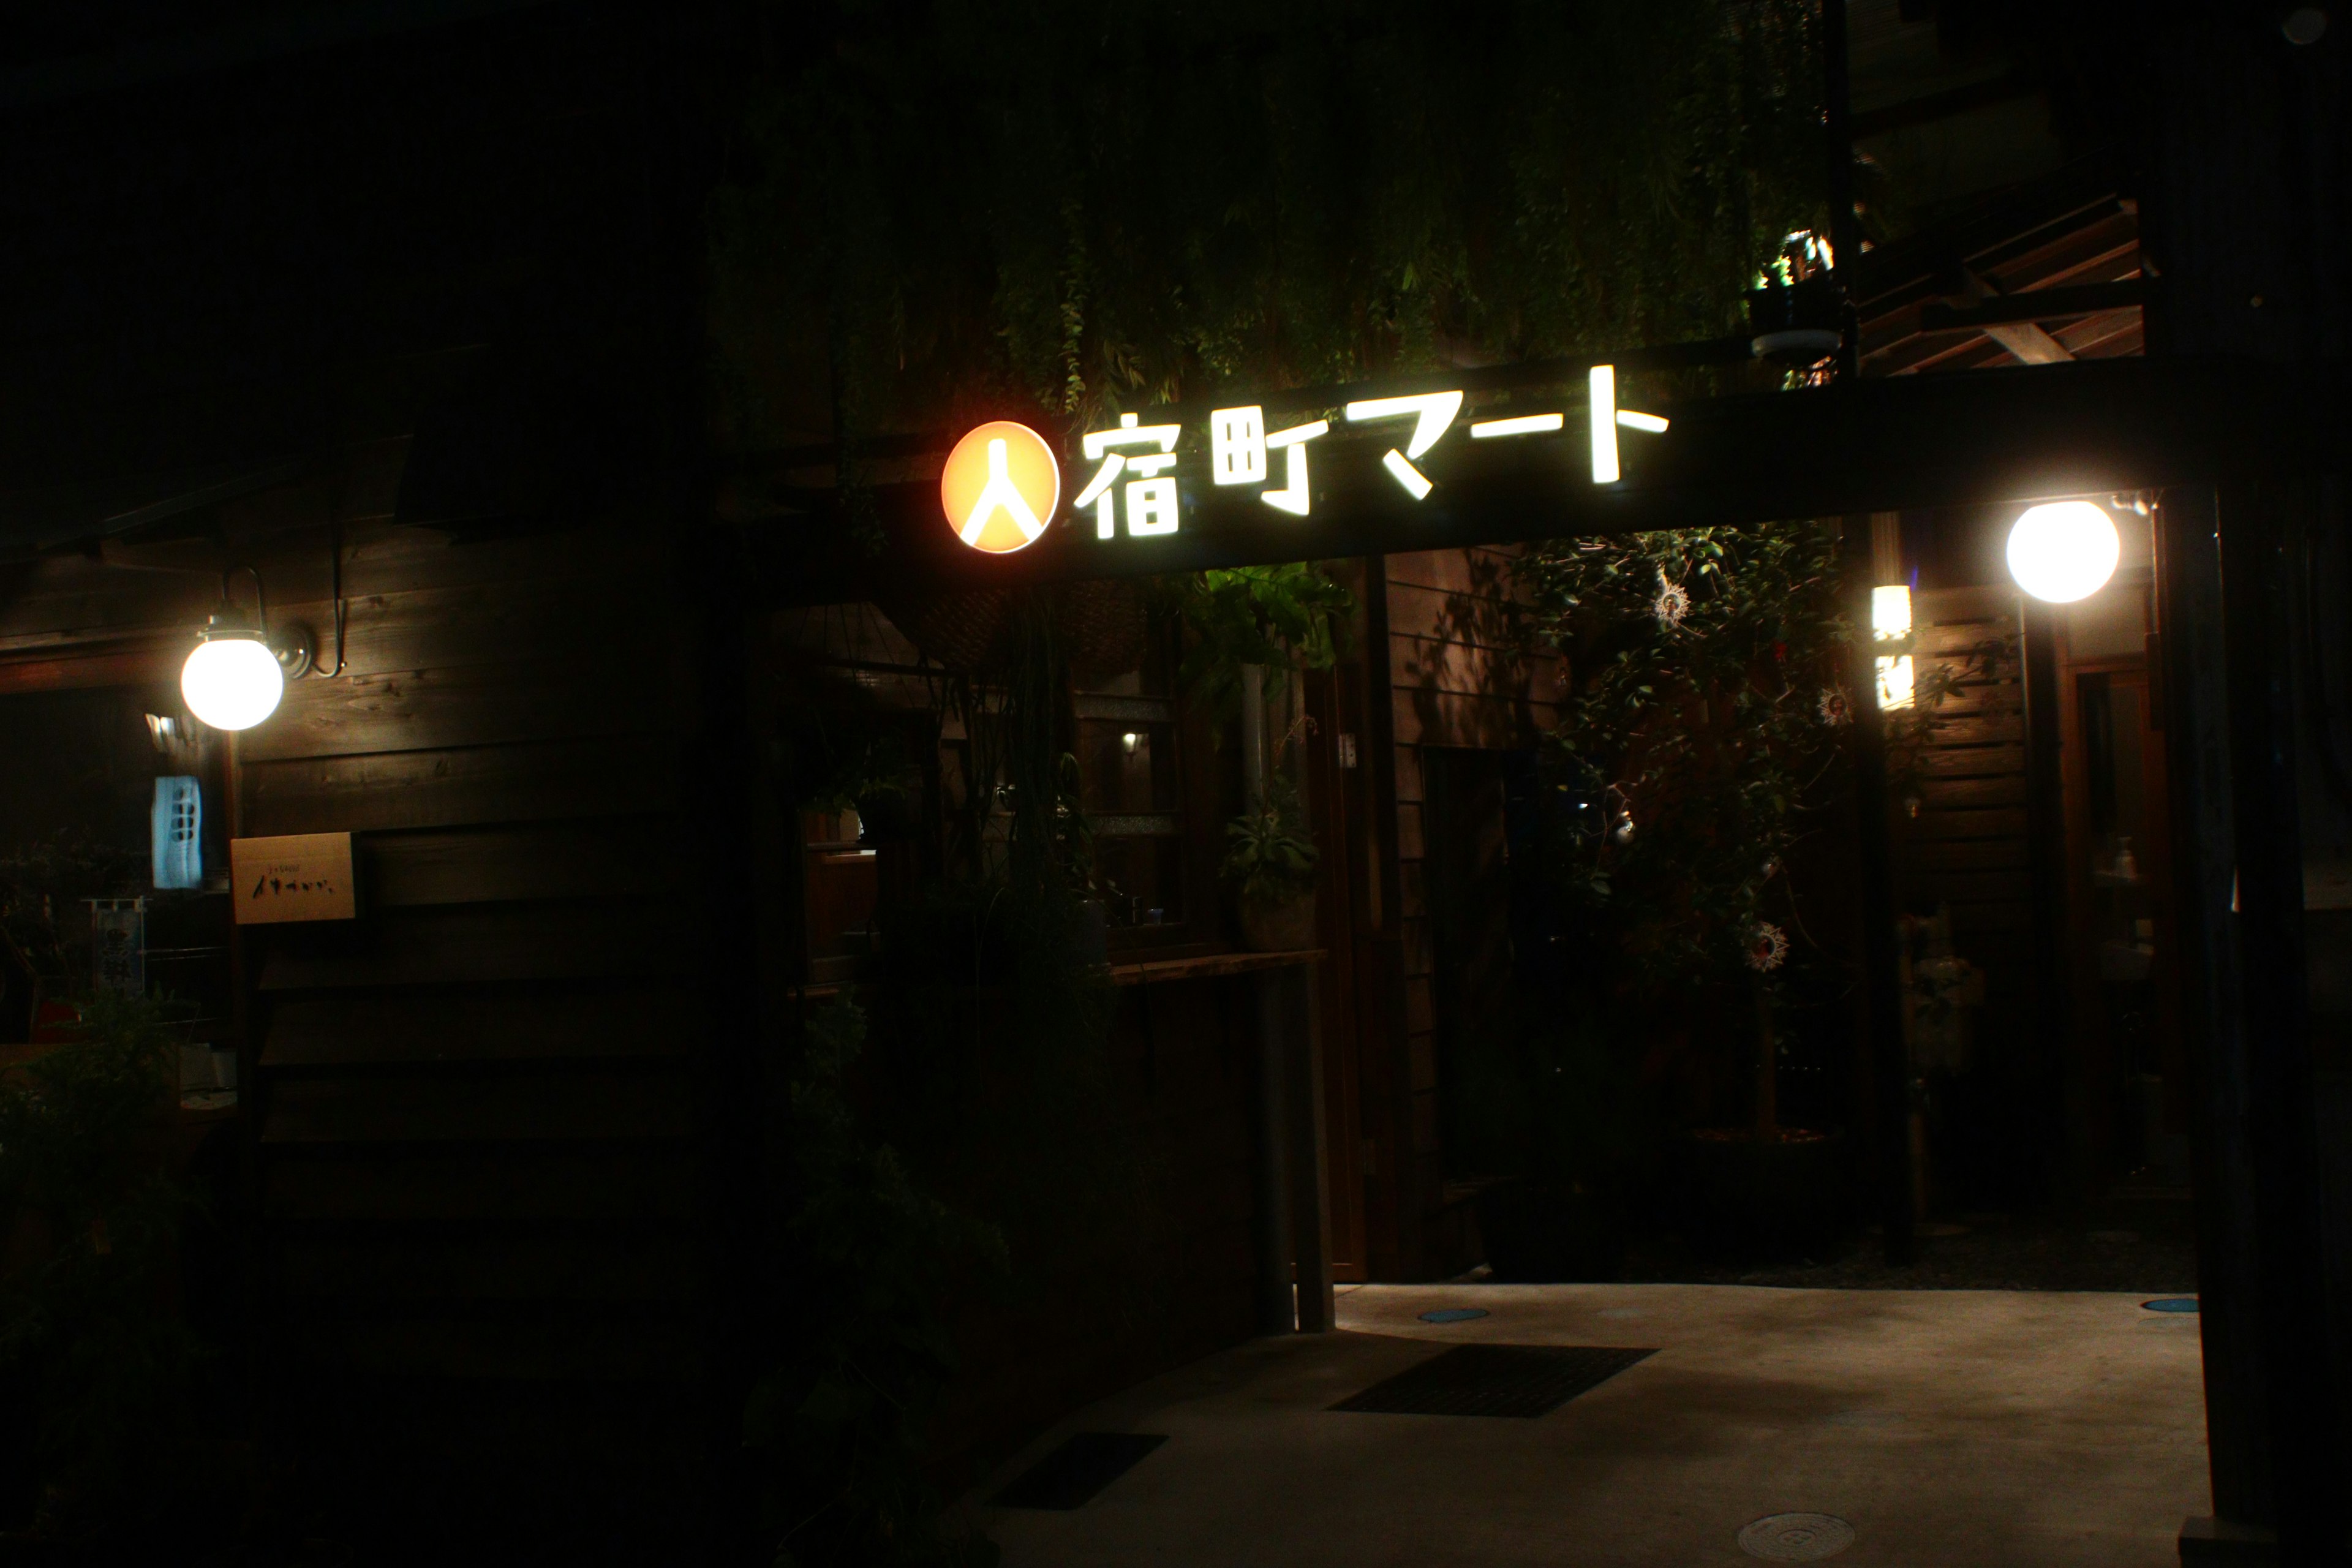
x=1946 y=1426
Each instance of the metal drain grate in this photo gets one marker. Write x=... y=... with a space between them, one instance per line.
x=1072 y=1474
x=1796 y=1537
x=1495 y=1380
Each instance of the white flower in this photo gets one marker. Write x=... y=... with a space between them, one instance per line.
x=1672 y=604
x=1834 y=709
x=1767 y=947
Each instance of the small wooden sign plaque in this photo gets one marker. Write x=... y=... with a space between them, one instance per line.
x=300 y=877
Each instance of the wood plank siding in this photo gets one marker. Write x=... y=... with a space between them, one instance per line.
x=476 y=1113
x=475 y=1106
x=1461 y=675
x=1960 y=819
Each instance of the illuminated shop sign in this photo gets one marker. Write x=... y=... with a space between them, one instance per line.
x=1002 y=482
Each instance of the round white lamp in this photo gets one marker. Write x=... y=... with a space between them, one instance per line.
x=2063 y=550
x=233 y=680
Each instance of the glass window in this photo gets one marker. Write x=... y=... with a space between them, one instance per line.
x=1126 y=765
x=1131 y=787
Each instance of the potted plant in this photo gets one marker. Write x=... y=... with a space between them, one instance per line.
x=1270 y=861
x=1700 y=730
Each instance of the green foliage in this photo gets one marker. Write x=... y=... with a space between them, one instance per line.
x=90 y=1220
x=42 y=883
x=1270 y=855
x=995 y=1024
x=846 y=765
x=1080 y=207
x=842 y=1420
x=1707 y=669
x=1286 y=616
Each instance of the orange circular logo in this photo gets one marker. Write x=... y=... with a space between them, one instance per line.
x=1000 y=487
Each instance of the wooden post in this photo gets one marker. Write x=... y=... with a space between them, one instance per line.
x=1310 y=1189
x=1277 y=1312
x=2188 y=646
x=2300 y=1419
x=2042 y=1089
x=1890 y=1061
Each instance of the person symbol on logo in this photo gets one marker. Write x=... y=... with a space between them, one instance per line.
x=1000 y=493
x=1000 y=488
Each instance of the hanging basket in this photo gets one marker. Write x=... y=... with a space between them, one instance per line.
x=963 y=630
x=1105 y=627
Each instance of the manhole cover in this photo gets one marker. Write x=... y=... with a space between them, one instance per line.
x=1873 y=1419
x=1796 y=1537
x=1453 y=1314
x=2171 y=1304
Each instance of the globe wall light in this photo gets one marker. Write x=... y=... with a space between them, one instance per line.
x=2064 y=550
x=237 y=673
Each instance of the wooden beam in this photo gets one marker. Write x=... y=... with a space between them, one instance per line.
x=1928 y=107
x=2035 y=305
x=2030 y=344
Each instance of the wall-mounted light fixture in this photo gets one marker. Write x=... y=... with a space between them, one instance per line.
x=1890 y=622
x=1895 y=685
x=2063 y=550
x=238 y=671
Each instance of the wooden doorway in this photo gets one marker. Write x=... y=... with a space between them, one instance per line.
x=1468 y=868
x=2127 y=1079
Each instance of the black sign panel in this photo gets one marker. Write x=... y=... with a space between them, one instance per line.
x=2006 y=436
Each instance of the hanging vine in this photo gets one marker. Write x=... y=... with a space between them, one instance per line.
x=1081 y=208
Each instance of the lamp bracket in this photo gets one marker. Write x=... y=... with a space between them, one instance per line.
x=293 y=643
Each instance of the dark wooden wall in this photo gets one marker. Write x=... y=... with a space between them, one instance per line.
x=1965 y=847
x=477 y=1163
x=1459 y=675
x=474 y=1108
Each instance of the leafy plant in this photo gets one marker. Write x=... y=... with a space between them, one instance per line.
x=850 y=766
x=970 y=208
x=842 y=1420
x=1286 y=616
x=1270 y=857
x=40 y=885
x=1708 y=667
x=91 y=1219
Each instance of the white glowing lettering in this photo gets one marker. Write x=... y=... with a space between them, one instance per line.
x=1237 y=445
x=1432 y=414
x=1416 y=484
x=1523 y=425
x=1152 y=498
x=1292 y=497
x=1602 y=380
x=1606 y=417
